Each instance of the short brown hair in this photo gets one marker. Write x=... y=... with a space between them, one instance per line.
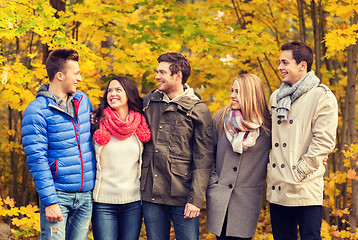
x=56 y=60
x=300 y=52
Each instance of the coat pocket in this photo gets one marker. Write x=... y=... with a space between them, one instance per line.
x=181 y=170
x=146 y=157
x=54 y=168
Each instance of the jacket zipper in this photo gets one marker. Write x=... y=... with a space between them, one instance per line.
x=78 y=137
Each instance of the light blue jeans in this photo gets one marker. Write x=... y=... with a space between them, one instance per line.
x=77 y=212
x=116 y=221
x=157 y=222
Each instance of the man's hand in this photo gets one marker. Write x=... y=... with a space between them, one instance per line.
x=53 y=213
x=93 y=118
x=191 y=211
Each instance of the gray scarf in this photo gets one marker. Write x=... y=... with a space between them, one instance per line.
x=288 y=94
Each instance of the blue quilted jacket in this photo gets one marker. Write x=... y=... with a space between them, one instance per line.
x=58 y=146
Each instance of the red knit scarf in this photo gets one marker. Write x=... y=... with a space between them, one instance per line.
x=111 y=124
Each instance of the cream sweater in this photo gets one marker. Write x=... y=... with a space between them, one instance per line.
x=118 y=171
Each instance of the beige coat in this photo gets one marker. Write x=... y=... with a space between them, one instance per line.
x=299 y=145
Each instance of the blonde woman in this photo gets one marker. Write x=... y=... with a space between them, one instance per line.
x=242 y=144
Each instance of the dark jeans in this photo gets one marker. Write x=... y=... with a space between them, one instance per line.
x=284 y=221
x=223 y=233
x=116 y=221
x=157 y=222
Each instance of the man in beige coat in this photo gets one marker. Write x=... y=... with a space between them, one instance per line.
x=304 y=121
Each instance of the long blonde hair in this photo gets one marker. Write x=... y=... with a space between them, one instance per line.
x=252 y=99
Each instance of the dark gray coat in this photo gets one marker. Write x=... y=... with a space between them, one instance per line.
x=236 y=186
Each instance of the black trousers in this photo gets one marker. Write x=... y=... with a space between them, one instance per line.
x=284 y=222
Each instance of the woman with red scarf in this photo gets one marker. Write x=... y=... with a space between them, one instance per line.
x=119 y=134
x=242 y=143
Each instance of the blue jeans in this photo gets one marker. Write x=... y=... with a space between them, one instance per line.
x=157 y=222
x=116 y=221
x=76 y=209
x=284 y=221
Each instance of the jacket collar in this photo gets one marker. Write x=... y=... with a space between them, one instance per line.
x=186 y=101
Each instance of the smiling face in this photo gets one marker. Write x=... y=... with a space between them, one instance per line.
x=170 y=84
x=291 y=72
x=71 y=76
x=235 y=103
x=116 y=95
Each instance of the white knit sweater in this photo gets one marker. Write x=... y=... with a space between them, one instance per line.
x=118 y=171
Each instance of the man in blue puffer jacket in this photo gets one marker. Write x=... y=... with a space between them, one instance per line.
x=56 y=137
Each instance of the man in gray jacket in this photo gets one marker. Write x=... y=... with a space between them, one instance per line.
x=304 y=121
x=178 y=160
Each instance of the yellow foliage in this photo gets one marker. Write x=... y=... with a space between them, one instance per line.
x=325 y=231
x=344 y=34
x=351 y=174
x=27 y=220
x=9 y=201
x=345 y=234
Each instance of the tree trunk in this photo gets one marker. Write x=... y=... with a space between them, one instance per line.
x=316 y=32
x=59 y=5
x=301 y=18
x=351 y=93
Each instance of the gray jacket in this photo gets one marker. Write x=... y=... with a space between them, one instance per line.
x=236 y=186
x=177 y=161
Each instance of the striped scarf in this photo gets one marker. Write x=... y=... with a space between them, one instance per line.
x=240 y=133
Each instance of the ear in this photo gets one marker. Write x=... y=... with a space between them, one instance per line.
x=59 y=76
x=303 y=66
x=179 y=76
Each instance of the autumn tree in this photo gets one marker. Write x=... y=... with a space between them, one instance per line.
x=221 y=40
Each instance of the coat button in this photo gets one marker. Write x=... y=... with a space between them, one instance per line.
x=294 y=167
x=284 y=145
x=279 y=122
x=156 y=150
x=230 y=186
x=235 y=169
x=160 y=127
x=274 y=165
x=276 y=144
x=273 y=187
x=282 y=165
x=291 y=121
x=279 y=188
x=153 y=199
x=155 y=175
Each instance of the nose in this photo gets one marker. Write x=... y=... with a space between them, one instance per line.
x=157 y=76
x=233 y=94
x=79 y=79
x=279 y=66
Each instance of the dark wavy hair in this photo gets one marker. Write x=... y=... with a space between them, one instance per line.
x=134 y=100
x=178 y=62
